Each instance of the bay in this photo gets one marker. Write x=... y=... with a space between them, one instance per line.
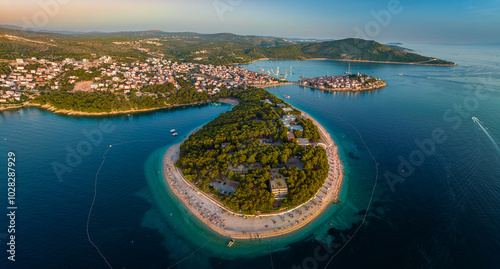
x=443 y=215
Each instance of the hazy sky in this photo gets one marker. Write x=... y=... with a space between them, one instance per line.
x=468 y=21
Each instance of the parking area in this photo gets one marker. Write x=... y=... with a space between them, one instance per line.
x=223 y=187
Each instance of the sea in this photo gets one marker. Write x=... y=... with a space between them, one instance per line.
x=421 y=188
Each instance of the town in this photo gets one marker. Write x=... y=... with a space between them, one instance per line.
x=30 y=76
x=24 y=79
x=348 y=82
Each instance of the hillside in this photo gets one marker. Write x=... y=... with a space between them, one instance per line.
x=222 y=48
x=364 y=50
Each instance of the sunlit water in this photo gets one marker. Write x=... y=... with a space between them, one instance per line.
x=444 y=215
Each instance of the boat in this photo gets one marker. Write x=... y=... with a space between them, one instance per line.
x=286 y=96
x=400 y=74
x=175 y=134
x=349 y=70
x=231 y=243
x=172 y=131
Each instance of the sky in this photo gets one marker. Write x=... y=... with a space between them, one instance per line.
x=445 y=21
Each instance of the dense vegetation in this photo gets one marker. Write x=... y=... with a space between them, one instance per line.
x=188 y=95
x=108 y=102
x=235 y=138
x=161 y=88
x=359 y=49
x=82 y=75
x=4 y=68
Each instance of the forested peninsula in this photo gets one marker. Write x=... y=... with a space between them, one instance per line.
x=259 y=142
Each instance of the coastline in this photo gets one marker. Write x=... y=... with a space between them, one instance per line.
x=238 y=226
x=324 y=89
x=380 y=62
x=2 y=108
x=378 y=87
x=131 y=111
x=344 y=60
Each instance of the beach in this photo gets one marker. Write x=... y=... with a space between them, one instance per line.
x=238 y=226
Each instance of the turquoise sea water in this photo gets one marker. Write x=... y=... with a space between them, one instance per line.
x=445 y=215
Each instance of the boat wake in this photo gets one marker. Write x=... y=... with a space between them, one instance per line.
x=481 y=126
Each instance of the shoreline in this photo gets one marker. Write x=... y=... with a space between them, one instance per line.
x=2 y=108
x=223 y=221
x=378 y=87
x=344 y=60
x=323 y=89
x=132 y=111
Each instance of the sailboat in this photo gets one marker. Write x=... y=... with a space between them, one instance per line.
x=349 y=70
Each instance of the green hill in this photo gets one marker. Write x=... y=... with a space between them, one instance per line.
x=364 y=50
x=222 y=48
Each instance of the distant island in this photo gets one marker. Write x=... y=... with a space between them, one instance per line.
x=262 y=169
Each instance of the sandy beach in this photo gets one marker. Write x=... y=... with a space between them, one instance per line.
x=237 y=226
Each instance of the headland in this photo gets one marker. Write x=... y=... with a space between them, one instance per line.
x=227 y=223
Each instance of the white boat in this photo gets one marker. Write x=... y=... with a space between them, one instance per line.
x=349 y=70
x=231 y=243
x=175 y=134
x=172 y=131
x=400 y=74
